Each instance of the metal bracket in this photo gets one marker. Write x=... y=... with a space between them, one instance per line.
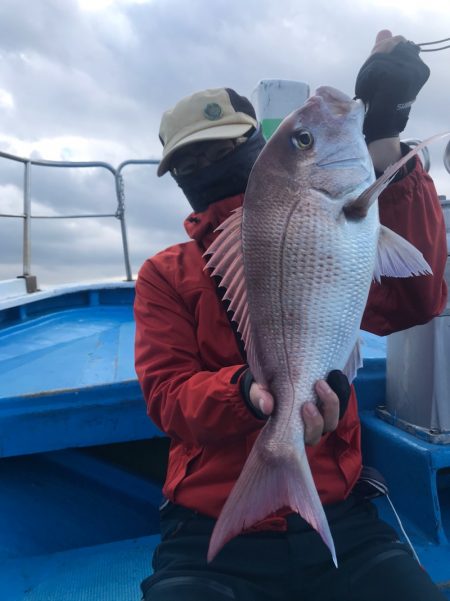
x=30 y=282
x=441 y=437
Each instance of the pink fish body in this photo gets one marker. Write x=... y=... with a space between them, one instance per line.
x=298 y=261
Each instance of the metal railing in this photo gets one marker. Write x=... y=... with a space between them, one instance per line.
x=120 y=196
x=426 y=154
x=27 y=215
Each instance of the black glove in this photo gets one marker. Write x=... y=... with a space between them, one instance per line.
x=388 y=84
x=245 y=384
x=340 y=385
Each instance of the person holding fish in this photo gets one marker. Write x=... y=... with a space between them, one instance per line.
x=247 y=340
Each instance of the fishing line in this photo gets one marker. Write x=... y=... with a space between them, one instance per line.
x=432 y=44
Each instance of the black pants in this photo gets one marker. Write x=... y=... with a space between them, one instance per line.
x=288 y=566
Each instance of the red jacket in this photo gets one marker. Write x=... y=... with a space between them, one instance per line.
x=189 y=364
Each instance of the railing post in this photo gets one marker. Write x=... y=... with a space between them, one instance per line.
x=30 y=280
x=120 y=214
x=26 y=251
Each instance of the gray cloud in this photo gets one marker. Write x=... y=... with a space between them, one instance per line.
x=105 y=77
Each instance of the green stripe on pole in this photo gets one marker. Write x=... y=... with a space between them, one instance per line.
x=274 y=99
x=269 y=126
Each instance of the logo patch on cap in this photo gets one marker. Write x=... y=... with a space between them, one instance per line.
x=213 y=111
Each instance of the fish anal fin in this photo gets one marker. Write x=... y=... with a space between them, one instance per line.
x=354 y=362
x=264 y=487
x=396 y=257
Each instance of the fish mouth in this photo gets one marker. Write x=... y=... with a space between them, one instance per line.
x=343 y=163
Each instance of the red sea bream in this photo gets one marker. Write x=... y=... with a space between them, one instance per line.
x=297 y=261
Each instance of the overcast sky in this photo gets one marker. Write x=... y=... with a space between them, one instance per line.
x=87 y=80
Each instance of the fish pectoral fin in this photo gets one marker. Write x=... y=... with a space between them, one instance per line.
x=227 y=261
x=354 y=362
x=358 y=208
x=396 y=257
x=265 y=486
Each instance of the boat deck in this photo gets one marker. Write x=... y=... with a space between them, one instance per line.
x=110 y=571
x=66 y=371
x=75 y=526
x=80 y=472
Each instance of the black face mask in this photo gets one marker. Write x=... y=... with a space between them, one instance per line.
x=224 y=178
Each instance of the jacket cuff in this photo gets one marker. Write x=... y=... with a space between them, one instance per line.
x=245 y=382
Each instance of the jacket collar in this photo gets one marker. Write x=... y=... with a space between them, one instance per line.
x=200 y=226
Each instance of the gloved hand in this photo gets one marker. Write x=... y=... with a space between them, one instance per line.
x=340 y=385
x=333 y=396
x=388 y=84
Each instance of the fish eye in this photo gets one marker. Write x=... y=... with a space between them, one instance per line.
x=302 y=139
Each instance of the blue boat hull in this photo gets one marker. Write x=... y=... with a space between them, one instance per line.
x=82 y=466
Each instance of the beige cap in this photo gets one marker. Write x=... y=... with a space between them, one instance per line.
x=216 y=114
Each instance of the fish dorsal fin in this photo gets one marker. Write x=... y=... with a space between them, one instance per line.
x=227 y=261
x=357 y=209
x=398 y=258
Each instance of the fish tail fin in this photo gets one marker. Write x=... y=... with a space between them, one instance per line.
x=265 y=485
